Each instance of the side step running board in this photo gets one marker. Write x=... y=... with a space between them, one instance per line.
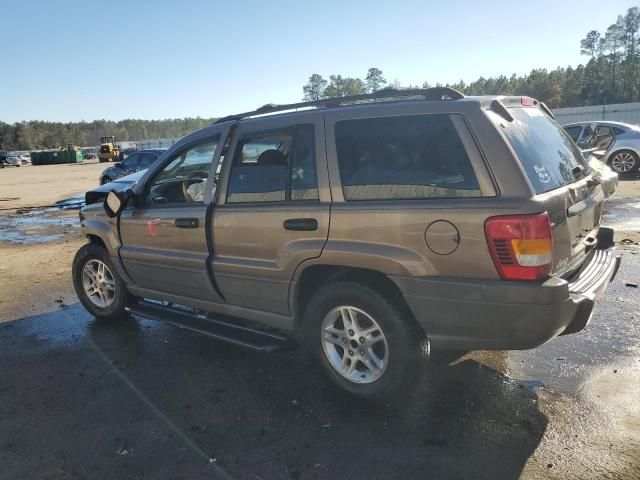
x=220 y=328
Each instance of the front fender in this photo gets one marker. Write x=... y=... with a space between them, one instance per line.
x=105 y=229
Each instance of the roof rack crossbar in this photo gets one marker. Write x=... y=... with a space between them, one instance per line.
x=431 y=94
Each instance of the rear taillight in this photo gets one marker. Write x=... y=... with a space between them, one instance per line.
x=521 y=245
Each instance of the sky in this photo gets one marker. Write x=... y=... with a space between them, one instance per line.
x=72 y=60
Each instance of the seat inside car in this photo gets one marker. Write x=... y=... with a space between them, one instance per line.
x=272 y=157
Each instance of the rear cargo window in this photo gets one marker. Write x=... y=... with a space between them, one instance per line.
x=404 y=157
x=547 y=153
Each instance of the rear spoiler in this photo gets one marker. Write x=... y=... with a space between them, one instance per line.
x=499 y=107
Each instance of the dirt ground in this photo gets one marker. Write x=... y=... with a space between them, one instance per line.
x=36 y=276
x=45 y=184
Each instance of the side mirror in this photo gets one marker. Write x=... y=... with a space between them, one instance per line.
x=116 y=202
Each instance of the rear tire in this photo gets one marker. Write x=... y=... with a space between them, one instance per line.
x=378 y=359
x=624 y=161
x=97 y=283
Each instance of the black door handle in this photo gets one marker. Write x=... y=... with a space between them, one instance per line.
x=187 y=222
x=301 y=224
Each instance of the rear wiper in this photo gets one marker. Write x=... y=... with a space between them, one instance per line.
x=592 y=182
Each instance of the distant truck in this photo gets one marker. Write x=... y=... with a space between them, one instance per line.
x=109 y=151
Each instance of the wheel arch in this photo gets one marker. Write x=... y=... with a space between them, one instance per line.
x=96 y=240
x=312 y=277
x=101 y=233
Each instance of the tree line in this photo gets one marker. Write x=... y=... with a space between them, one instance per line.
x=35 y=135
x=610 y=75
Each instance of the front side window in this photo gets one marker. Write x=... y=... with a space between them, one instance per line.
x=147 y=159
x=183 y=179
x=574 y=132
x=131 y=161
x=586 y=138
x=404 y=157
x=274 y=166
x=603 y=137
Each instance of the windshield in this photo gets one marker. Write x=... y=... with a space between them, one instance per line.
x=547 y=153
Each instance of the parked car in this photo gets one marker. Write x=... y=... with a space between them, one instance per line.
x=371 y=228
x=14 y=160
x=90 y=153
x=617 y=144
x=134 y=162
x=25 y=157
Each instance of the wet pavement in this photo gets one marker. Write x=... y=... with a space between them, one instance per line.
x=613 y=335
x=76 y=394
x=134 y=398
x=41 y=224
x=624 y=214
x=36 y=227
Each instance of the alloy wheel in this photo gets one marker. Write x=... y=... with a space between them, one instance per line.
x=354 y=344
x=623 y=162
x=98 y=283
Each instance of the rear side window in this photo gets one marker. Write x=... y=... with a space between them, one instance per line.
x=404 y=157
x=549 y=156
x=274 y=166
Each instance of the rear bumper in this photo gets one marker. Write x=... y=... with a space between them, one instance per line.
x=500 y=315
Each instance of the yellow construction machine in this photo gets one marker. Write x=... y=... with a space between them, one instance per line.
x=109 y=151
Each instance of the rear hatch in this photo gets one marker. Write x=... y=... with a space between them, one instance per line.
x=564 y=183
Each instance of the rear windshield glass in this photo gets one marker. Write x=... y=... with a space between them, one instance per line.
x=547 y=153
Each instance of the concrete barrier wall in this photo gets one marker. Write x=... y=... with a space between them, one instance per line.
x=155 y=143
x=616 y=112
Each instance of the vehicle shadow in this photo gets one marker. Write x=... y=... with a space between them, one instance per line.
x=626 y=177
x=136 y=398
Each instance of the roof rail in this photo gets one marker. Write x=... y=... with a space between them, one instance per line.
x=389 y=93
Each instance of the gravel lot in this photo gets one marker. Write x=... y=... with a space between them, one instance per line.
x=133 y=399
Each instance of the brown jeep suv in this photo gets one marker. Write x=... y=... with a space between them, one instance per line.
x=370 y=228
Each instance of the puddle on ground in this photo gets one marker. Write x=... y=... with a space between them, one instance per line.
x=41 y=224
x=36 y=226
x=623 y=215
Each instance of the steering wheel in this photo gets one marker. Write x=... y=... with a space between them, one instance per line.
x=186 y=183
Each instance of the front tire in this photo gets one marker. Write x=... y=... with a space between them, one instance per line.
x=624 y=161
x=365 y=344
x=97 y=283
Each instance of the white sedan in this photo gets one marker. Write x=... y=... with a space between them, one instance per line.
x=17 y=159
x=14 y=160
